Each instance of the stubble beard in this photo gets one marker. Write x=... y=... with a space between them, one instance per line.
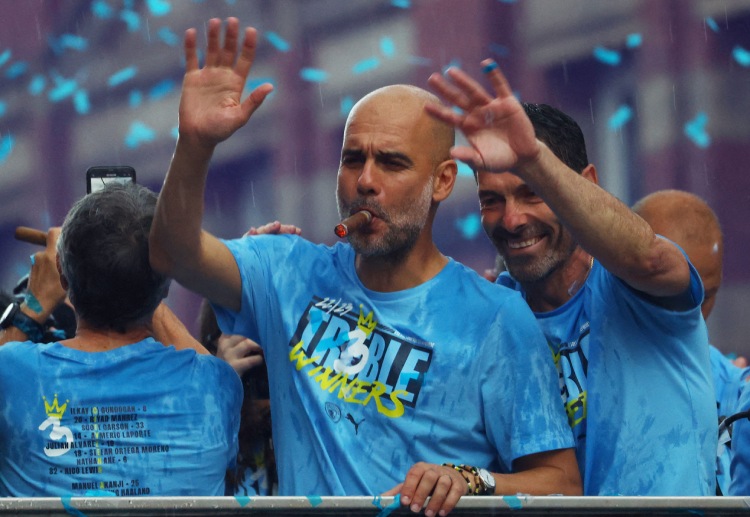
x=405 y=224
x=536 y=269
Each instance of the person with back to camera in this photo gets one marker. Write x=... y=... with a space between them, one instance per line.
x=689 y=222
x=385 y=358
x=620 y=306
x=112 y=411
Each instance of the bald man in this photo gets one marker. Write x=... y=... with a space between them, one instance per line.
x=687 y=220
x=392 y=368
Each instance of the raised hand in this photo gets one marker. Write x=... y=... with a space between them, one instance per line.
x=211 y=105
x=273 y=228
x=241 y=353
x=500 y=135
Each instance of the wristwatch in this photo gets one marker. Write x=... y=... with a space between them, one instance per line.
x=487 y=480
x=13 y=316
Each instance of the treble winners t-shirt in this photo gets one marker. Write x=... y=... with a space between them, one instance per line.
x=139 y=420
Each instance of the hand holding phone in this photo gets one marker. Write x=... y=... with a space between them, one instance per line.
x=99 y=176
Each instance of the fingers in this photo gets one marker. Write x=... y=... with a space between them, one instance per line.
x=247 y=54
x=470 y=88
x=228 y=53
x=275 y=228
x=448 y=92
x=497 y=79
x=212 y=48
x=191 y=53
x=393 y=491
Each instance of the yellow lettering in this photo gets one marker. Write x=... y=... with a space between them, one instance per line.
x=297 y=354
x=576 y=409
x=357 y=387
x=327 y=381
x=398 y=406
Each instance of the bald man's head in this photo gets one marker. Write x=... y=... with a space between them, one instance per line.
x=688 y=221
x=397 y=100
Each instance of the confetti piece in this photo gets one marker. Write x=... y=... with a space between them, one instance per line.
x=5 y=57
x=37 y=84
x=159 y=7
x=63 y=88
x=620 y=117
x=101 y=9
x=401 y=4
x=741 y=55
x=16 y=70
x=161 y=89
x=346 y=105
x=386 y=510
x=135 y=98
x=69 y=508
x=315 y=500
x=508 y=1
x=138 y=134
x=6 y=146
x=74 y=42
x=366 y=65
x=695 y=130
x=712 y=24
x=513 y=502
x=278 y=42
x=387 y=46
x=131 y=19
x=175 y=132
x=313 y=75
x=607 y=56
x=464 y=169
x=3 y=108
x=634 y=40
x=469 y=226
x=121 y=76
x=81 y=102
x=489 y=67
x=243 y=500
x=167 y=36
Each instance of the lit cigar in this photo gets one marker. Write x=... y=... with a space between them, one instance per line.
x=352 y=223
x=30 y=235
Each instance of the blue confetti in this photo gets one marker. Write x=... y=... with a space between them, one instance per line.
x=101 y=9
x=6 y=146
x=464 y=169
x=620 y=117
x=99 y=493
x=401 y=4
x=695 y=130
x=159 y=7
x=63 y=88
x=313 y=75
x=455 y=63
x=508 y=1
x=712 y=24
x=366 y=65
x=386 y=510
x=175 y=132
x=315 y=500
x=65 y=500
x=607 y=56
x=135 y=98
x=121 y=76
x=17 y=69
x=74 y=42
x=81 y=102
x=37 y=84
x=634 y=40
x=387 y=46
x=139 y=133
x=3 y=108
x=346 y=105
x=5 y=57
x=131 y=19
x=513 y=502
x=243 y=500
x=167 y=36
x=741 y=55
x=469 y=226
x=278 y=42
x=162 y=89
x=499 y=50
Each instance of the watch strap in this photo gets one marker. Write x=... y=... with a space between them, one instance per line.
x=33 y=329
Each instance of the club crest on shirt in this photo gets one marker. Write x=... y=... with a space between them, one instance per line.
x=358 y=358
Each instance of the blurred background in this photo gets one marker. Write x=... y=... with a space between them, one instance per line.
x=661 y=89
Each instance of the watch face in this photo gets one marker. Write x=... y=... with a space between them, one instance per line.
x=7 y=318
x=488 y=480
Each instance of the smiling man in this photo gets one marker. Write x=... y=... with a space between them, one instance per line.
x=386 y=359
x=620 y=306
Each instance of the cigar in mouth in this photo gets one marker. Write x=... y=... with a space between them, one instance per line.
x=352 y=223
x=30 y=235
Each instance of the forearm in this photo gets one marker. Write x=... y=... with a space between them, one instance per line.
x=539 y=481
x=169 y=330
x=13 y=333
x=607 y=229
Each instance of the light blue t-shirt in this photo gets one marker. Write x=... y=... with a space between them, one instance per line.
x=636 y=382
x=728 y=383
x=740 y=469
x=365 y=384
x=140 y=420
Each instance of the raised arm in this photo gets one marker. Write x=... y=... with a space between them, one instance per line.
x=501 y=139
x=211 y=110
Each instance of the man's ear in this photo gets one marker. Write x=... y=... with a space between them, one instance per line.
x=590 y=173
x=444 y=180
x=63 y=280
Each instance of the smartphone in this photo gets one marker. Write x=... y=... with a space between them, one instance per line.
x=97 y=177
